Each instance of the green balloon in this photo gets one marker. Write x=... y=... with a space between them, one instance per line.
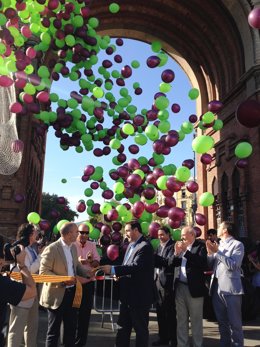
x=139 y=172
x=140 y=139
x=161 y=182
x=155 y=243
x=94 y=234
x=218 y=124
x=114 y=143
x=181 y=135
x=64 y=180
x=182 y=174
x=156 y=46
x=208 y=117
x=194 y=93
x=146 y=217
x=161 y=102
x=98 y=92
x=118 y=187
x=105 y=208
x=127 y=217
x=90 y=202
x=206 y=199
x=122 y=210
x=169 y=169
x=135 y=64
x=33 y=217
x=163 y=115
x=55 y=230
x=187 y=127
x=176 y=234
x=164 y=126
x=114 y=7
x=165 y=87
x=202 y=144
x=135 y=198
x=158 y=158
x=152 y=132
x=145 y=228
x=128 y=129
x=243 y=150
x=88 y=192
x=143 y=160
x=93 y=22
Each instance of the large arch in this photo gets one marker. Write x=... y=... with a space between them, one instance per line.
x=220 y=53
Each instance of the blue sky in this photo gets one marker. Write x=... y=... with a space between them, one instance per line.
x=70 y=164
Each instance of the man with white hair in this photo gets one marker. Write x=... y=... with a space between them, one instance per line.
x=60 y=258
x=189 y=262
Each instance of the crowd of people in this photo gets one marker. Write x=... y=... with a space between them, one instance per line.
x=173 y=278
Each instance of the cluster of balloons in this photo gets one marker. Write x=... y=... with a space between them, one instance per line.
x=70 y=33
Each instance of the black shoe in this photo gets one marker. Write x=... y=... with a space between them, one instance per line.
x=160 y=343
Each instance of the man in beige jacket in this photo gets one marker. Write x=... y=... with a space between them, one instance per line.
x=60 y=258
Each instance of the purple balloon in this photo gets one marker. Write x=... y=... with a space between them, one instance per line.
x=215 y=106
x=149 y=193
x=112 y=252
x=95 y=208
x=170 y=201
x=152 y=207
x=19 y=197
x=116 y=226
x=133 y=149
x=174 y=224
x=105 y=240
x=248 y=113
x=254 y=18
x=108 y=194
x=61 y=200
x=197 y=231
x=89 y=170
x=112 y=214
x=206 y=158
x=134 y=180
x=116 y=237
x=189 y=163
x=133 y=164
x=44 y=224
x=138 y=209
x=172 y=138
x=153 y=61
x=167 y=76
x=162 y=211
x=193 y=118
x=176 y=213
x=172 y=184
x=126 y=71
x=242 y=163
x=81 y=206
x=153 y=229
x=175 y=108
x=118 y=58
x=105 y=229
x=192 y=186
x=158 y=146
x=200 y=219
x=138 y=120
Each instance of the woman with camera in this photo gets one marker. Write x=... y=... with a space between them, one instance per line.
x=24 y=317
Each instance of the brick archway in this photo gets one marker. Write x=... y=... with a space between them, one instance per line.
x=219 y=52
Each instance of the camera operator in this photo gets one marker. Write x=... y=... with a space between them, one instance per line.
x=13 y=292
x=24 y=317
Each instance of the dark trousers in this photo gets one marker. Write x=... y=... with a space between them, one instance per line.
x=133 y=317
x=84 y=313
x=166 y=316
x=66 y=313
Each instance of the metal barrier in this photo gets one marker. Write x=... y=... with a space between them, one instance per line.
x=106 y=298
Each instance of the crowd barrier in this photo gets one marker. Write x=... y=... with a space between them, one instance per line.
x=106 y=298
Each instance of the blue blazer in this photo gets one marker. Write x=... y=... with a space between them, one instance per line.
x=136 y=282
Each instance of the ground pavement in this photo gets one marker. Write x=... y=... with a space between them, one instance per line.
x=100 y=337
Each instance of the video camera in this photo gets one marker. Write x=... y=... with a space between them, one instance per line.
x=24 y=241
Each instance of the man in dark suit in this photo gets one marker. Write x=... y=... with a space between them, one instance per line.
x=137 y=290
x=165 y=307
x=189 y=262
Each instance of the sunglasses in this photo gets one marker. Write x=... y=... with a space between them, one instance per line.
x=84 y=232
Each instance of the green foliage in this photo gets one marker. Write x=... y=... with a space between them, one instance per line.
x=49 y=203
